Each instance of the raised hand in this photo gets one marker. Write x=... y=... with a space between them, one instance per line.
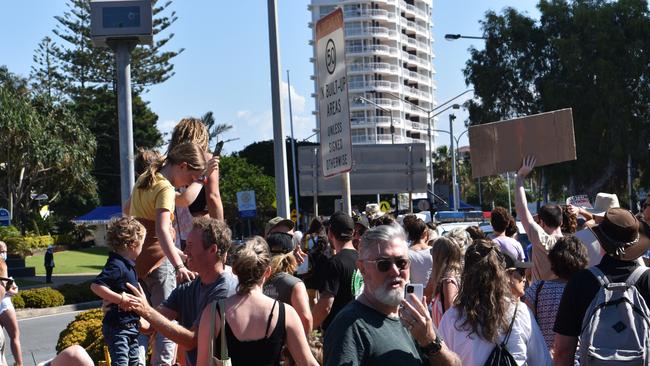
x=527 y=166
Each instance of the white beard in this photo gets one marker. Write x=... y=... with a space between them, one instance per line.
x=390 y=297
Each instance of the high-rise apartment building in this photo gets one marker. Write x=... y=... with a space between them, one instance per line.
x=389 y=59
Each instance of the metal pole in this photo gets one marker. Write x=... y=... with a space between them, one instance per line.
x=125 y=119
x=480 y=196
x=453 y=162
x=293 y=157
x=430 y=154
x=315 y=181
x=279 y=148
x=347 y=204
x=392 y=129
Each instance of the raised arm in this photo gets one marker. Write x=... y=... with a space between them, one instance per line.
x=215 y=206
x=521 y=203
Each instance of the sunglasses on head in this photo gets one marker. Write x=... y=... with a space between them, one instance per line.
x=385 y=264
x=9 y=282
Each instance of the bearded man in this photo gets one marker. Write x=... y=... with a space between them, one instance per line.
x=372 y=330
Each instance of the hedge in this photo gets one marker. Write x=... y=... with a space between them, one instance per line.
x=27 y=245
x=86 y=331
x=75 y=294
x=39 y=298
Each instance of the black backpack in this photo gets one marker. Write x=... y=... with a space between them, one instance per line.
x=500 y=355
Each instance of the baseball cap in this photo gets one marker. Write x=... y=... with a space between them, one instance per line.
x=512 y=263
x=342 y=225
x=277 y=221
x=361 y=220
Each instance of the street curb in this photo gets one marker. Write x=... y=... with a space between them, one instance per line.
x=32 y=313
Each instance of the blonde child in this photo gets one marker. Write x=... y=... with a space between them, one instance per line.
x=125 y=236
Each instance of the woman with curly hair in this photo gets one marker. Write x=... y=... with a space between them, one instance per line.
x=567 y=257
x=484 y=311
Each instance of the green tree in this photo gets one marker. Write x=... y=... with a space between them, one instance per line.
x=46 y=79
x=239 y=175
x=45 y=150
x=215 y=130
x=590 y=55
x=98 y=110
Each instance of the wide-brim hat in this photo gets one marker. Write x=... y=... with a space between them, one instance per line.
x=603 y=202
x=277 y=221
x=618 y=231
x=373 y=211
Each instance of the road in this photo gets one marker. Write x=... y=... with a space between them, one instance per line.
x=39 y=336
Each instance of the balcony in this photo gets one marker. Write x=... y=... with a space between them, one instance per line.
x=361 y=86
x=368 y=13
x=370 y=32
x=373 y=67
x=371 y=49
x=383 y=102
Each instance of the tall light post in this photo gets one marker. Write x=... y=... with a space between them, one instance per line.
x=430 y=115
x=392 y=127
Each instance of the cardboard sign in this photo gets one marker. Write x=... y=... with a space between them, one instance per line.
x=500 y=147
x=581 y=200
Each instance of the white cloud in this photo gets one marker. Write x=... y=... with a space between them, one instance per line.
x=297 y=100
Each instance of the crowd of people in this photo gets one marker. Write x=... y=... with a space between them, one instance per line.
x=337 y=295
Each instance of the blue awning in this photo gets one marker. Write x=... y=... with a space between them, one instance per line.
x=100 y=215
x=463 y=205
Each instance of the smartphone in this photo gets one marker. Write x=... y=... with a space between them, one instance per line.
x=416 y=289
x=217 y=149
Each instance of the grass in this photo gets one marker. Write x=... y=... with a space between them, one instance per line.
x=90 y=260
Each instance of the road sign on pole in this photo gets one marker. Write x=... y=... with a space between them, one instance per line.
x=246 y=204
x=333 y=103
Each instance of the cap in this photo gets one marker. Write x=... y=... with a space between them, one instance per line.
x=342 y=225
x=277 y=221
x=512 y=263
x=361 y=220
x=280 y=243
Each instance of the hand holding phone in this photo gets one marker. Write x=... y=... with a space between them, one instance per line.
x=217 y=149
x=413 y=288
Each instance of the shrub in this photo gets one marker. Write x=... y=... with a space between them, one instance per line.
x=27 y=245
x=8 y=232
x=43 y=297
x=18 y=301
x=75 y=294
x=86 y=331
x=63 y=239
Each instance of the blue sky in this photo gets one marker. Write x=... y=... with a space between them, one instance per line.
x=225 y=64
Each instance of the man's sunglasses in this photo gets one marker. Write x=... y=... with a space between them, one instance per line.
x=385 y=264
x=9 y=282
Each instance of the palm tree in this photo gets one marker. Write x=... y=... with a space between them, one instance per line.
x=442 y=161
x=215 y=130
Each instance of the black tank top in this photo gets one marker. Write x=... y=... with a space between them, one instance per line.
x=263 y=352
x=200 y=205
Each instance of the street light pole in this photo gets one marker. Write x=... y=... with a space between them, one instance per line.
x=454 y=183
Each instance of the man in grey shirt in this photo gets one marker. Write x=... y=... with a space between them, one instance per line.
x=371 y=330
x=207 y=246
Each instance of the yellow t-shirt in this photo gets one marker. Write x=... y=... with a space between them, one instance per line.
x=145 y=202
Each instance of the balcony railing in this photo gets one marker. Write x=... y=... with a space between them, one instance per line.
x=371 y=49
x=372 y=67
x=370 y=32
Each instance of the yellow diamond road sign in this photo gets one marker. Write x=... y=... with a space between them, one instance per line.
x=384 y=206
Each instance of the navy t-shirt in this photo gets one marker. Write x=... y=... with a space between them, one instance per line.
x=189 y=299
x=117 y=272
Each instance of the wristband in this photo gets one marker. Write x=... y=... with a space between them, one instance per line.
x=178 y=267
